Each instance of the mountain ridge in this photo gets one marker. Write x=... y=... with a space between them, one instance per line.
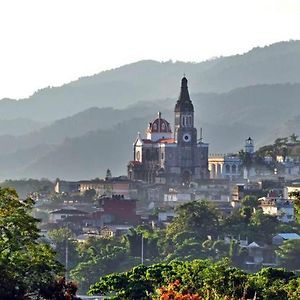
x=149 y=80
x=227 y=120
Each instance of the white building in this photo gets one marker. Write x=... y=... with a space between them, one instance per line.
x=282 y=208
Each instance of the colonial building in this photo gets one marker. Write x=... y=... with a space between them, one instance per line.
x=171 y=157
x=231 y=166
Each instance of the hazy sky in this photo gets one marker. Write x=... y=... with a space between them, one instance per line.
x=48 y=43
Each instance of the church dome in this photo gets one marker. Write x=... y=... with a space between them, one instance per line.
x=159 y=125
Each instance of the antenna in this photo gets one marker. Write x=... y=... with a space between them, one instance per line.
x=201 y=137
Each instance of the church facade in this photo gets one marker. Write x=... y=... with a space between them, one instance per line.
x=171 y=157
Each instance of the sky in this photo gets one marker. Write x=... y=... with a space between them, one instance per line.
x=52 y=42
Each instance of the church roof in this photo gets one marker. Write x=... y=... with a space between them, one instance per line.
x=184 y=102
x=159 y=125
x=161 y=141
x=166 y=141
x=146 y=141
x=135 y=163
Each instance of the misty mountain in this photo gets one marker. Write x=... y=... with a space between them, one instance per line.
x=152 y=80
x=19 y=126
x=86 y=144
x=77 y=125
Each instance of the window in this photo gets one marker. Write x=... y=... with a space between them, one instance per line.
x=227 y=168
x=138 y=155
x=234 y=169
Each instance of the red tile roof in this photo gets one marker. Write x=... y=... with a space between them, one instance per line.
x=135 y=162
x=167 y=141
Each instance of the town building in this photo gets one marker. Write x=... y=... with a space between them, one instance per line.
x=62 y=186
x=282 y=208
x=109 y=186
x=167 y=157
x=280 y=238
x=232 y=166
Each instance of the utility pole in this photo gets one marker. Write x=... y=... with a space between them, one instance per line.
x=142 y=251
x=67 y=259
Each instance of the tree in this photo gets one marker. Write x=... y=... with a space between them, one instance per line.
x=64 y=238
x=288 y=254
x=27 y=267
x=262 y=226
x=212 y=281
x=294 y=138
x=198 y=217
x=98 y=257
x=108 y=174
x=296 y=197
x=250 y=201
x=90 y=194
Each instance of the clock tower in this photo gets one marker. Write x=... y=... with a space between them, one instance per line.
x=171 y=158
x=185 y=133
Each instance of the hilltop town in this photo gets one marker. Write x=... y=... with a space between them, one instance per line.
x=245 y=200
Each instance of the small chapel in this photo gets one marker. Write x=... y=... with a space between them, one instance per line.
x=169 y=156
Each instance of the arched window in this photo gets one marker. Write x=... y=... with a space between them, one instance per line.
x=227 y=168
x=233 y=168
x=138 y=155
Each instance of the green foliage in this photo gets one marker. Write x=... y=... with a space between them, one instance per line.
x=27 y=267
x=63 y=238
x=250 y=201
x=98 y=257
x=213 y=281
x=296 y=196
x=90 y=194
x=289 y=254
x=27 y=186
x=198 y=217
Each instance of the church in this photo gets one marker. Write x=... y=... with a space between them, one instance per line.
x=171 y=157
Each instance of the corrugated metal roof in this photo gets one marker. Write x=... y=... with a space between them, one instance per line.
x=289 y=236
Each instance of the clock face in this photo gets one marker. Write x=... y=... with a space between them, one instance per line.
x=186 y=137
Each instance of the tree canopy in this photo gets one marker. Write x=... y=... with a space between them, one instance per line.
x=28 y=267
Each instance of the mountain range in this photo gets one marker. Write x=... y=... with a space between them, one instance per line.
x=82 y=128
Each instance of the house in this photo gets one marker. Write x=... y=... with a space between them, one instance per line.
x=280 y=238
x=115 y=210
x=110 y=186
x=114 y=230
x=176 y=196
x=67 y=187
x=282 y=208
x=259 y=256
x=60 y=215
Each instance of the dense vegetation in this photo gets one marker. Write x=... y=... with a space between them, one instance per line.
x=28 y=267
x=189 y=258
x=199 y=279
x=197 y=232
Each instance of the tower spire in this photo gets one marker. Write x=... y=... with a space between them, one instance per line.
x=184 y=92
x=184 y=102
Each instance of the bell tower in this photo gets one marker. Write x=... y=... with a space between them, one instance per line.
x=184 y=131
